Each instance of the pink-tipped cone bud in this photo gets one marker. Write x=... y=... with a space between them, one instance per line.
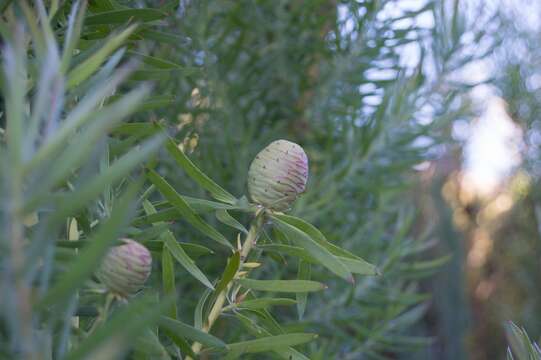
x=125 y=268
x=278 y=175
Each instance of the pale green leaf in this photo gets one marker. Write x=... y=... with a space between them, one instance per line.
x=354 y=265
x=198 y=176
x=180 y=255
x=263 y=303
x=182 y=206
x=82 y=71
x=178 y=252
x=122 y=16
x=168 y=279
x=189 y=332
x=225 y=218
x=282 y=285
x=303 y=273
x=322 y=255
x=270 y=343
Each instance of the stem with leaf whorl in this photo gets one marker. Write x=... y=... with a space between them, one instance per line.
x=218 y=306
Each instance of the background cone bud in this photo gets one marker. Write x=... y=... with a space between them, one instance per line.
x=125 y=268
x=278 y=174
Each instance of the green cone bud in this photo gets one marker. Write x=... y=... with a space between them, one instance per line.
x=278 y=175
x=125 y=268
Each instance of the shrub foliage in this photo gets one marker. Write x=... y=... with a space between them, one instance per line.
x=123 y=120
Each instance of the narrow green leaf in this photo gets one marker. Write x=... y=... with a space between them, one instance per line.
x=118 y=147
x=198 y=313
x=162 y=74
x=170 y=214
x=315 y=234
x=168 y=279
x=231 y=269
x=137 y=130
x=322 y=255
x=225 y=218
x=14 y=71
x=169 y=5
x=200 y=206
x=160 y=36
x=303 y=273
x=180 y=204
x=180 y=255
x=520 y=344
x=263 y=303
x=99 y=6
x=148 y=234
x=259 y=332
x=48 y=98
x=355 y=266
x=156 y=102
x=180 y=342
x=198 y=176
x=45 y=24
x=81 y=114
x=354 y=263
x=74 y=155
x=195 y=250
x=270 y=322
x=104 y=72
x=189 y=332
x=90 y=257
x=359 y=266
x=73 y=33
x=295 y=251
x=283 y=285
x=155 y=61
x=270 y=343
x=148 y=346
x=123 y=16
x=88 y=191
x=38 y=37
x=82 y=71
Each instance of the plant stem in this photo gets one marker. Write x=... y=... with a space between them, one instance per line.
x=218 y=306
x=103 y=313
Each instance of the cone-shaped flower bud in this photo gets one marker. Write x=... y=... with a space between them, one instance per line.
x=125 y=268
x=278 y=175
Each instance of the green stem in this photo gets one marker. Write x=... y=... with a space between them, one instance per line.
x=218 y=306
x=103 y=313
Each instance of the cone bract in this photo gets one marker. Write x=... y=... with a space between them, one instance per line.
x=125 y=268
x=278 y=174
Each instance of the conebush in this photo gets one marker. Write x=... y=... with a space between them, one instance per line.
x=185 y=180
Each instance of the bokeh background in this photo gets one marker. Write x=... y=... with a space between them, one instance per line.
x=490 y=185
